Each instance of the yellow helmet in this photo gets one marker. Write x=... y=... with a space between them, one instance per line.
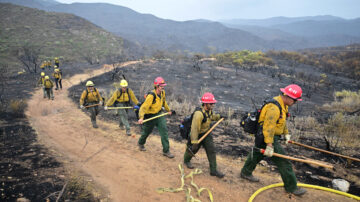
x=56 y=70
x=55 y=66
x=56 y=58
x=42 y=73
x=89 y=83
x=123 y=83
x=47 y=77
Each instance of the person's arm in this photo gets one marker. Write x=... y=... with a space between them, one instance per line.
x=98 y=95
x=215 y=117
x=112 y=99
x=145 y=106
x=133 y=97
x=271 y=117
x=166 y=106
x=82 y=98
x=196 y=127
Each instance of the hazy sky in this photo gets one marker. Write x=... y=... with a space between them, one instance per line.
x=229 y=9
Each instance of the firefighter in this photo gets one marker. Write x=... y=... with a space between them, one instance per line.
x=201 y=121
x=58 y=78
x=48 y=84
x=91 y=98
x=152 y=107
x=122 y=97
x=41 y=82
x=272 y=123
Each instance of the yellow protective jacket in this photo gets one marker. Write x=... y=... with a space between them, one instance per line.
x=48 y=83
x=197 y=125
x=41 y=80
x=57 y=75
x=149 y=108
x=88 y=96
x=269 y=119
x=125 y=97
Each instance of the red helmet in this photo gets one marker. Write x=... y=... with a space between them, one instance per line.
x=208 y=98
x=294 y=91
x=159 y=81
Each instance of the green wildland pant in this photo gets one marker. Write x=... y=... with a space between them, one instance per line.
x=94 y=111
x=284 y=165
x=209 y=147
x=123 y=115
x=147 y=128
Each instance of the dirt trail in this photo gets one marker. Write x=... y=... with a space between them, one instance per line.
x=112 y=159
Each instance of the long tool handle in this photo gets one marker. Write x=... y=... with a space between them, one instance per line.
x=92 y=105
x=300 y=160
x=120 y=107
x=321 y=150
x=209 y=131
x=155 y=117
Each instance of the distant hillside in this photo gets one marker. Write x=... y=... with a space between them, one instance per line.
x=164 y=34
x=39 y=4
x=301 y=32
x=56 y=34
x=268 y=22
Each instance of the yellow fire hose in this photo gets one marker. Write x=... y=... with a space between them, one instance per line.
x=189 y=198
x=303 y=185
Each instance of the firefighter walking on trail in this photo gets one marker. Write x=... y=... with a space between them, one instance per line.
x=58 y=78
x=122 y=97
x=41 y=82
x=272 y=124
x=89 y=97
x=151 y=107
x=201 y=120
x=48 y=84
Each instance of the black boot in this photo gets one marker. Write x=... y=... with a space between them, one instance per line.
x=94 y=124
x=189 y=165
x=251 y=178
x=299 y=191
x=217 y=174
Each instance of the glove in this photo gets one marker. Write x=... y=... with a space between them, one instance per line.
x=194 y=147
x=101 y=103
x=82 y=107
x=106 y=108
x=136 y=107
x=269 y=151
x=287 y=138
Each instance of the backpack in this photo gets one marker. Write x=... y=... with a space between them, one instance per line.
x=137 y=109
x=127 y=91
x=87 y=93
x=249 y=122
x=185 y=127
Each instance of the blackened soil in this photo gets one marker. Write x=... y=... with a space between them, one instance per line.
x=235 y=88
x=27 y=168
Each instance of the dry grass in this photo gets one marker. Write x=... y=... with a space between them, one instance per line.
x=17 y=106
x=345 y=101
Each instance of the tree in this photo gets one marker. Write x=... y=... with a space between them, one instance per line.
x=29 y=56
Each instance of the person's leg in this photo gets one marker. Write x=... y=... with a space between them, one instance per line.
x=124 y=118
x=285 y=169
x=163 y=131
x=190 y=152
x=253 y=158
x=56 y=82
x=146 y=129
x=51 y=93
x=60 y=83
x=44 y=91
x=210 y=152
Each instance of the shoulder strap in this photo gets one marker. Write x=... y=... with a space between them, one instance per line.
x=273 y=101
x=204 y=115
x=120 y=90
x=154 y=96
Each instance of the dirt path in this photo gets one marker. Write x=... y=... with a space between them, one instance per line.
x=112 y=159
